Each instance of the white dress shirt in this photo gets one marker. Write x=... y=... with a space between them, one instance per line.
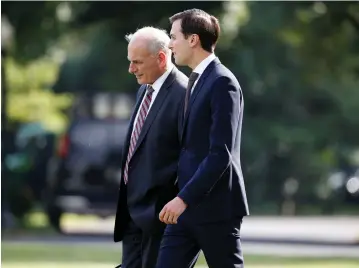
x=156 y=88
x=201 y=67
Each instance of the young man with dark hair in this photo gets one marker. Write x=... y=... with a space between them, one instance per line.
x=207 y=212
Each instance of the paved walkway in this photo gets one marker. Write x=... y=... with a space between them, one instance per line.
x=341 y=230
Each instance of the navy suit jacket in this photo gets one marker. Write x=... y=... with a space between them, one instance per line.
x=153 y=167
x=209 y=171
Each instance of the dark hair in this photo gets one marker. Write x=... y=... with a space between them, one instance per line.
x=196 y=21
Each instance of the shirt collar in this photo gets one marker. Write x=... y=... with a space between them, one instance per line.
x=204 y=63
x=159 y=82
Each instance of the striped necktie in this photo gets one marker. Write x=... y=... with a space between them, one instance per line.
x=137 y=128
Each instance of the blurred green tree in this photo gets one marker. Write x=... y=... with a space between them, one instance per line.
x=104 y=67
x=297 y=62
x=36 y=28
x=298 y=65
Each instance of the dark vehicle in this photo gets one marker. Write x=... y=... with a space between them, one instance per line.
x=84 y=176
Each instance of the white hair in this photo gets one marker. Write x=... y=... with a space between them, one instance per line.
x=158 y=39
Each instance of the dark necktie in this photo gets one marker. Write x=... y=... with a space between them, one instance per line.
x=142 y=114
x=192 y=78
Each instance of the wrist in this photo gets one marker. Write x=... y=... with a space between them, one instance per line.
x=182 y=201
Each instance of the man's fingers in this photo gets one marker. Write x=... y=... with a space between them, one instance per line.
x=171 y=219
x=162 y=213
x=166 y=217
x=175 y=219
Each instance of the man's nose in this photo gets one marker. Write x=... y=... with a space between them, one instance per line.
x=131 y=69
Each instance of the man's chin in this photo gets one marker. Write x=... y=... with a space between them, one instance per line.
x=140 y=81
x=178 y=62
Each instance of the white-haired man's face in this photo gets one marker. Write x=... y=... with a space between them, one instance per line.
x=146 y=66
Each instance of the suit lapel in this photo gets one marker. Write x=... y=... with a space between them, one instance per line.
x=141 y=93
x=198 y=88
x=161 y=96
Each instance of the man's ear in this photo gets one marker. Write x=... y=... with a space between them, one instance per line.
x=194 y=40
x=162 y=58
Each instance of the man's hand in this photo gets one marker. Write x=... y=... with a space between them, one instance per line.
x=172 y=210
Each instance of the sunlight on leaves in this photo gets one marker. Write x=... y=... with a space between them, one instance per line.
x=236 y=14
x=30 y=98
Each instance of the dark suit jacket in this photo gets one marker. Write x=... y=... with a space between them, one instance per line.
x=209 y=172
x=153 y=167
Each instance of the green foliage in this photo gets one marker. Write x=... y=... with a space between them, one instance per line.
x=105 y=66
x=29 y=96
x=297 y=62
x=36 y=26
x=298 y=70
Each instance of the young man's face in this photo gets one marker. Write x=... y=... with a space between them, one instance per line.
x=179 y=45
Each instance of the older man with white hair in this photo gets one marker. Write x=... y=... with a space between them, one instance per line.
x=151 y=149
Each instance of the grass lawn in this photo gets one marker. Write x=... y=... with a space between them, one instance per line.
x=103 y=255
x=20 y=255
x=109 y=265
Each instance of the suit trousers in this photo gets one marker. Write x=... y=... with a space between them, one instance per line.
x=219 y=241
x=139 y=250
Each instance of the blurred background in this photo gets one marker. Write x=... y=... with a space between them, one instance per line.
x=66 y=98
